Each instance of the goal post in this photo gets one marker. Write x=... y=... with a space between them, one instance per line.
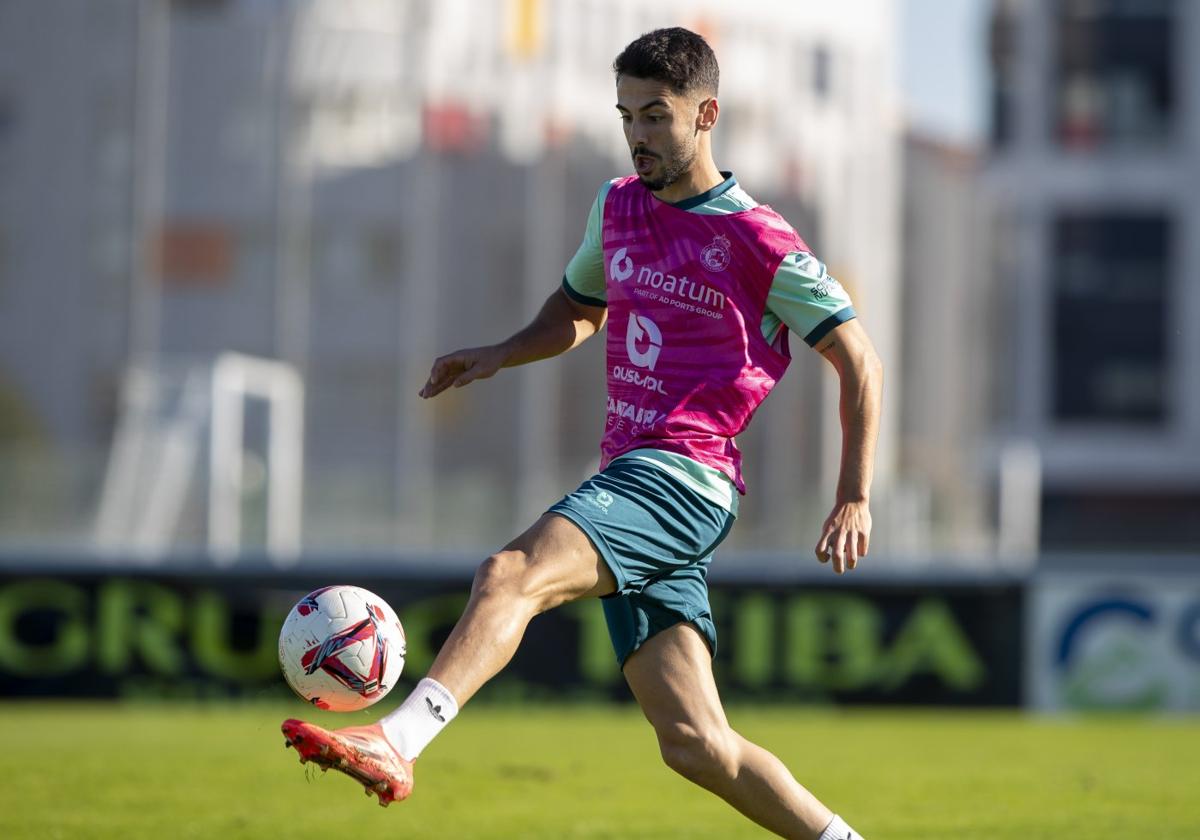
x=235 y=379
x=156 y=461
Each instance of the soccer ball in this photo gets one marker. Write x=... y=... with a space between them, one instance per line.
x=342 y=648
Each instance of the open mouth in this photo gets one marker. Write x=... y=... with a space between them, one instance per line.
x=644 y=163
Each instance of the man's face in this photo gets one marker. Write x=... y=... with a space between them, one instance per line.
x=660 y=128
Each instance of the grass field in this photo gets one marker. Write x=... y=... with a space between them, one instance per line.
x=218 y=772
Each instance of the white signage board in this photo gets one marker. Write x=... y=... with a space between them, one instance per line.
x=1121 y=641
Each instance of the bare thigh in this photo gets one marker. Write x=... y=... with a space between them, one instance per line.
x=555 y=563
x=671 y=676
x=551 y=563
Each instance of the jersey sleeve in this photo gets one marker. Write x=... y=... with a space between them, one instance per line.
x=584 y=280
x=806 y=299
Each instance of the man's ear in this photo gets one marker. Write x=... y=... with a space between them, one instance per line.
x=706 y=114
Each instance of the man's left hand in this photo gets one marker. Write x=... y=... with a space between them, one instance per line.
x=845 y=535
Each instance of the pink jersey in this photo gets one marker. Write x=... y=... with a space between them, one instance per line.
x=687 y=361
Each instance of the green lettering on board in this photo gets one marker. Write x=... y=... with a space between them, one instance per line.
x=69 y=648
x=754 y=640
x=211 y=627
x=832 y=641
x=931 y=641
x=142 y=617
x=597 y=662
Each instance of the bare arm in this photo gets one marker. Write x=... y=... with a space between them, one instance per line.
x=846 y=534
x=561 y=325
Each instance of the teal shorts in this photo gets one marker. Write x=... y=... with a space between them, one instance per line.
x=657 y=535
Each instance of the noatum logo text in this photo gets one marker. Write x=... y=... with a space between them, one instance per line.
x=622 y=268
x=682 y=288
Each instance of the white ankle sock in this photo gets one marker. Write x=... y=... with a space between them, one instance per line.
x=838 y=830
x=420 y=718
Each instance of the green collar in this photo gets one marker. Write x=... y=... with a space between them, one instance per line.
x=695 y=201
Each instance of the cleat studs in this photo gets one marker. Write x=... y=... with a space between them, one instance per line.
x=367 y=791
x=343 y=763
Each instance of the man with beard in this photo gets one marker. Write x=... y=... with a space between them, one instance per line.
x=699 y=286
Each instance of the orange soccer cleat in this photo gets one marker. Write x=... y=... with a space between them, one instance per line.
x=361 y=752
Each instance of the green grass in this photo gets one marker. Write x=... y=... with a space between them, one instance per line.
x=220 y=772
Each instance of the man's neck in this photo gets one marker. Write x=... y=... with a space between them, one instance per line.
x=696 y=181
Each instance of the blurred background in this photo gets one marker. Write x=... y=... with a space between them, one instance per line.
x=235 y=233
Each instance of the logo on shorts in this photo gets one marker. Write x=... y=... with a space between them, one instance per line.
x=715 y=256
x=604 y=499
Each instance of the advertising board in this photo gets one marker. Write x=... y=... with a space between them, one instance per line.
x=201 y=633
x=1114 y=641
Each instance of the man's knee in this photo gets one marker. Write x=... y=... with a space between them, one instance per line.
x=502 y=573
x=699 y=754
x=511 y=574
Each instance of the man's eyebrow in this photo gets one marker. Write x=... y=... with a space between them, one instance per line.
x=660 y=103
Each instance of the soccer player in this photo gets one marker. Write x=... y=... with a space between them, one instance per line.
x=700 y=287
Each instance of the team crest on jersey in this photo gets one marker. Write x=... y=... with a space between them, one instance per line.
x=715 y=256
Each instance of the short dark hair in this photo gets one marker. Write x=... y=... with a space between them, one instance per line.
x=677 y=57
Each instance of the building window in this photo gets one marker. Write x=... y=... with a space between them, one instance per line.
x=195 y=254
x=822 y=72
x=202 y=6
x=354 y=260
x=1002 y=43
x=1114 y=81
x=1111 y=284
x=8 y=116
x=4 y=256
x=8 y=124
x=1114 y=518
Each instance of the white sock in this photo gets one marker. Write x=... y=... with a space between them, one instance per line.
x=420 y=718
x=838 y=830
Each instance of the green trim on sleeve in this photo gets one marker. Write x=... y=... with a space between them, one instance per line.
x=578 y=298
x=806 y=299
x=585 y=272
x=835 y=320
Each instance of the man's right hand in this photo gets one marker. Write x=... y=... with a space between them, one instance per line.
x=462 y=367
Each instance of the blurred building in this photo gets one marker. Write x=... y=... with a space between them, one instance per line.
x=355 y=186
x=1095 y=176
x=948 y=348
